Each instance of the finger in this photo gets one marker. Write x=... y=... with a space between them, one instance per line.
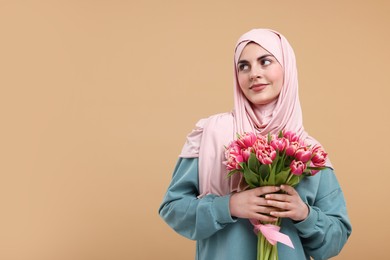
x=279 y=204
x=259 y=201
x=290 y=190
x=279 y=197
x=265 y=190
x=281 y=214
x=265 y=210
x=265 y=218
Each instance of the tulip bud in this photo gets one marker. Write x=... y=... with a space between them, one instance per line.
x=291 y=136
x=297 y=167
x=319 y=157
x=292 y=148
x=303 y=154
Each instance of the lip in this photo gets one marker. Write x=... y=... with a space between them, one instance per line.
x=258 y=87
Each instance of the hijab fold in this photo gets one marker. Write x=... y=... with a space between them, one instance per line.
x=211 y=135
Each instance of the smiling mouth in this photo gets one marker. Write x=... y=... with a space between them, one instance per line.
x=258 y=87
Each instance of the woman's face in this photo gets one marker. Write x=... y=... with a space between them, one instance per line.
x=260 y=75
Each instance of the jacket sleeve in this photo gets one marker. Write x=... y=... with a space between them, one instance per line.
x=325 y=231
x=193 y=217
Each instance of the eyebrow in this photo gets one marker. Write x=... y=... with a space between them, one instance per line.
x=259 y=58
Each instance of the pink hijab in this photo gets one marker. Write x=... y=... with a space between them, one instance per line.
x=211 y=135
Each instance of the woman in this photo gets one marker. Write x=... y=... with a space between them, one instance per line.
x=203 y=205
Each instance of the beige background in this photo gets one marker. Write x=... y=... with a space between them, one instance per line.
x=96 y=98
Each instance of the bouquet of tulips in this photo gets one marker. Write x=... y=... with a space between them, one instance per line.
x=272 y=160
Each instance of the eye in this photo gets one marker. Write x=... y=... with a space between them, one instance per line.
x=243 y=67
x=265 y=62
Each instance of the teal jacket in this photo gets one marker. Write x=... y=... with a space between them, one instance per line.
x=220 y=236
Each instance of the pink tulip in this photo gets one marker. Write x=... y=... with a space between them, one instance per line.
x=319 y=158
x=260 y=143
x=303 y=154
x=297 y=167
x=266 y=155
x=233 y=162
x=292 y=148
x=280 y=144
x=232 y=150
x=239 y=159
x=233 y=156
x=291 y=136
x=246 y=140
x=246 y=153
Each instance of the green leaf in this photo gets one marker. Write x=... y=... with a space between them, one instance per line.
x=276 y=160
x=271 y=178
x=282 y=161
x=251 y=178
x=288 y=161
x=233 y=172
x=281 y=177
x=264 y=171
x=315 y=167
x=295 y=179
x=253 y=163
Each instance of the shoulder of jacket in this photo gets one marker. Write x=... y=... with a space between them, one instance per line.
x=221 y=118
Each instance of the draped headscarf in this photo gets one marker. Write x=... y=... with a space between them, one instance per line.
x=211 y=135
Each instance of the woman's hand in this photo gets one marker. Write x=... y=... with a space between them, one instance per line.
x=251 y=204
x=289 y=205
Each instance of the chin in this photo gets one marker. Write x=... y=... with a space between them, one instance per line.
x=262 y=102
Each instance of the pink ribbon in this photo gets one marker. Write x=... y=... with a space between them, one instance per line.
x=272 y=234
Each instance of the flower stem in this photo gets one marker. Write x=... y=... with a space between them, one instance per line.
x=259 y=245
x=289 y=178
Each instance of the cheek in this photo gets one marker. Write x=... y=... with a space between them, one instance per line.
x=278 y=77
x=276 y=74
x=242 y=81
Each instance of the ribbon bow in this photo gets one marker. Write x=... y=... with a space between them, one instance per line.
x=272 y=234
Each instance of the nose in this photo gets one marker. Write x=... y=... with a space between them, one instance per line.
x=255 y=73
